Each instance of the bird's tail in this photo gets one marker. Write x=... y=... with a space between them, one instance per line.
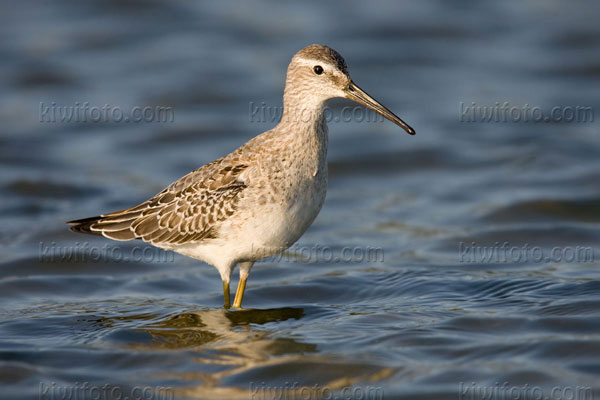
x=115 y=225
x=85 y=225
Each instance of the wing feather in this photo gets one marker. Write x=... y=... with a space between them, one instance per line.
x=188 y=210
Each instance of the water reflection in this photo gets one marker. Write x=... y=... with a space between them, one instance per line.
x=199 y=328
x=236 y=353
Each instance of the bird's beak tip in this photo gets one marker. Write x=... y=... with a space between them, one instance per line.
x=355 y=93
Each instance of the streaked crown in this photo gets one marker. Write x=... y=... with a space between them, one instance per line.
x=323 y=54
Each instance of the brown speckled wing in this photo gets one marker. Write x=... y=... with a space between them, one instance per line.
x=189 y=210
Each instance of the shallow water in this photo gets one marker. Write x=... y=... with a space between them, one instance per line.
x=406 y=286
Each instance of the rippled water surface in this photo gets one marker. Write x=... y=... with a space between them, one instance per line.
x=433 y=301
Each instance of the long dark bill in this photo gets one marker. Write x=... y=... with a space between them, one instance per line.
x=358 y=95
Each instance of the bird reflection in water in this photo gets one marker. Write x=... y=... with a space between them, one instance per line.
x=234 y=349
x=197 y=328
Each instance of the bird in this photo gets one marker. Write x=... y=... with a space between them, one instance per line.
x=258 y=200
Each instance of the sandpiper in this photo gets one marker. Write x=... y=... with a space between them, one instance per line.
x=258 y=200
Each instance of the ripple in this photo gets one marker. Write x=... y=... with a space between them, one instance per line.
x=544 y=210
x=47 y=189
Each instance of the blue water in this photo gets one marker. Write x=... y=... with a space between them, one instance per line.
x=462 y=262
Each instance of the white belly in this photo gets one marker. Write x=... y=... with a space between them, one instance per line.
x=277 y=226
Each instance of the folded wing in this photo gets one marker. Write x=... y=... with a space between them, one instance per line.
x=189 y=210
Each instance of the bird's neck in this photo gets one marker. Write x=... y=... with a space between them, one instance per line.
x=302 y=110
x=303 y=122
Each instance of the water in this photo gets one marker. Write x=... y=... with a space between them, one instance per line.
x=421 y=310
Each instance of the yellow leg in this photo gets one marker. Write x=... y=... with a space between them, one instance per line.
x=226 y=295
x=239 y=294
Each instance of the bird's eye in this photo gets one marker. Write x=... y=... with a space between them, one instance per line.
x=318 y=69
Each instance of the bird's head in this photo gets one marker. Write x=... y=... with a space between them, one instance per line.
x=318 y=73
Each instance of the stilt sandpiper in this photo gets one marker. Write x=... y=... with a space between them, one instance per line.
x=258 y=200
